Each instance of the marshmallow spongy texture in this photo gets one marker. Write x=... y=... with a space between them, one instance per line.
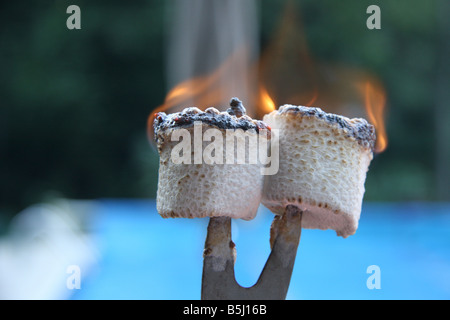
x=207 y=190
x=322 y=167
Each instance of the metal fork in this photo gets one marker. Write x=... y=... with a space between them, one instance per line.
x=218 y=279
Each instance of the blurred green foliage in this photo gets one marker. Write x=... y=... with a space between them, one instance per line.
x=74 y=103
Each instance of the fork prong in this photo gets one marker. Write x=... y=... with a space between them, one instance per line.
x=275 y=278
x=218 y=279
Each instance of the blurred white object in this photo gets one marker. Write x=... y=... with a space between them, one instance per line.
x=43 y=242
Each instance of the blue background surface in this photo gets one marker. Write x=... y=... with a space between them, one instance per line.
x=146 y=257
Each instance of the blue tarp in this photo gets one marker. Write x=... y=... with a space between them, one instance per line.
x=146 y=257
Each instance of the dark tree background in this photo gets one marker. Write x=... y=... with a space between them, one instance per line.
x=74 y=104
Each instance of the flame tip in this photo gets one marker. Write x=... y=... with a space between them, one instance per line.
x=267 y=102
x=375 y=102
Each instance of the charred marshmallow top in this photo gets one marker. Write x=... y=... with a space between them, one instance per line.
x=357 y=128
x=234 y=118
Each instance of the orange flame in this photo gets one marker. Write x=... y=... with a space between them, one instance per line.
x=267 y=104
x=375 y=101
x=313 y=99
x=291 y=75
x=211 y=90
x=287 y=73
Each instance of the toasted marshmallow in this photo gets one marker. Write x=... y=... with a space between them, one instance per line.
x=209 y=188
x=323 y=163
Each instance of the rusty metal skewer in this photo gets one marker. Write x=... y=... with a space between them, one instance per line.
x=218 y=279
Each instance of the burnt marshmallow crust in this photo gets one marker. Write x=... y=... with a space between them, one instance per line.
x=204 y=190
x=323 y=161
